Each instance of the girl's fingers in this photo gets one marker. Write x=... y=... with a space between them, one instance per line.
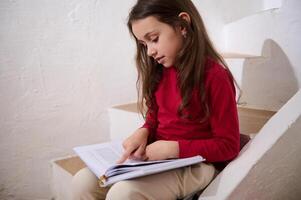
x=141 y=158
x=123 y=158
x=144 y=157
x=139 y=152
x=125 y=155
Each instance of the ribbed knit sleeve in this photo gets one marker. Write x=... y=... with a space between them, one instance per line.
x=151 y=121
x=224 y=143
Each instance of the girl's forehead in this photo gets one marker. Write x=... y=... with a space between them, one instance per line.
x=144 y=27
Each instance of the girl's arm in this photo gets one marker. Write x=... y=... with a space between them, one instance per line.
x=151 y=122
x=162 y=149
x=134 y=146
x=224 y=144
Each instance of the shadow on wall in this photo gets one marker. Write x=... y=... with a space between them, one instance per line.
x=268 y=82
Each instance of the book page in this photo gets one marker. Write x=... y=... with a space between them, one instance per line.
x=108 y=154
x=100 y=157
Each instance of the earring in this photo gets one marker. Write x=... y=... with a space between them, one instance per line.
x=184 y=34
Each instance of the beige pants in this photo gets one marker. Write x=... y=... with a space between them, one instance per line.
x=172 y=184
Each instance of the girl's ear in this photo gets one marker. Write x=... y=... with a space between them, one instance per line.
x=186 y=17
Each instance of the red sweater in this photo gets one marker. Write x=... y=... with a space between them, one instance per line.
x=217 y=139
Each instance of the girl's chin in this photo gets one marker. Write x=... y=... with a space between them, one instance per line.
x=167 y=65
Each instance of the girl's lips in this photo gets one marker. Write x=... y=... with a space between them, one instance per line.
x=160 y=59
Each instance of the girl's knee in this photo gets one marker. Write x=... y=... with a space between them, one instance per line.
x=125 y=190
x=83 y=183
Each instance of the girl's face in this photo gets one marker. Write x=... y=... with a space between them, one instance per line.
x=162 y=41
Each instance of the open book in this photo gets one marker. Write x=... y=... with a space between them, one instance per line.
x=101 y=160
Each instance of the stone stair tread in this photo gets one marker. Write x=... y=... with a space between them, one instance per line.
x=131 y=107
x=71 y=164
x=252 y=120
x=234 y=55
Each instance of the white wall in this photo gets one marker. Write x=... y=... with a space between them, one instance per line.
x=62 y=64
x=211 y=13
x=236 y=9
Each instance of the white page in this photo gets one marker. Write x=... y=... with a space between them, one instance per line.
x=105 y=155
x=100 y=157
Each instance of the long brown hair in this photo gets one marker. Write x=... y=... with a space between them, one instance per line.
x=190 y=62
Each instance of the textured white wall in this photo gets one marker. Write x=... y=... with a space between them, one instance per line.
x=62 y=63
x=237 y=9
x=211 y=13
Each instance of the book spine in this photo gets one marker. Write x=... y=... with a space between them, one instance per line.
x=102 y=180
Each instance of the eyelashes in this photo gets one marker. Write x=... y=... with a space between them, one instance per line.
x=145 y=44
x=156 y=39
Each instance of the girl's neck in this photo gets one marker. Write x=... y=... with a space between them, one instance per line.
x=169 y=68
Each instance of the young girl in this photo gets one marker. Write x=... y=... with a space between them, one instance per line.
x=190 y=99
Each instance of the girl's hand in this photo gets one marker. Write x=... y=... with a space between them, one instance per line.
x=162 y=149
x=134 y=146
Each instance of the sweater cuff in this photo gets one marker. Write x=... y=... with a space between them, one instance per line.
x=184 y=149
x=151 y=136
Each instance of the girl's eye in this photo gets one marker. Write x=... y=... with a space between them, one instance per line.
x=155 y=39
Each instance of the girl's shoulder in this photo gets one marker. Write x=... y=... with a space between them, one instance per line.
x=213 y=68
x=216 y=74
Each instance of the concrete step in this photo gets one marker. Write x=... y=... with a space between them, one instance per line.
x=63 y=169
x=235 y=55
x=251 y=120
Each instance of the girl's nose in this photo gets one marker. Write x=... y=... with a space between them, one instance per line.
x=151 y=52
